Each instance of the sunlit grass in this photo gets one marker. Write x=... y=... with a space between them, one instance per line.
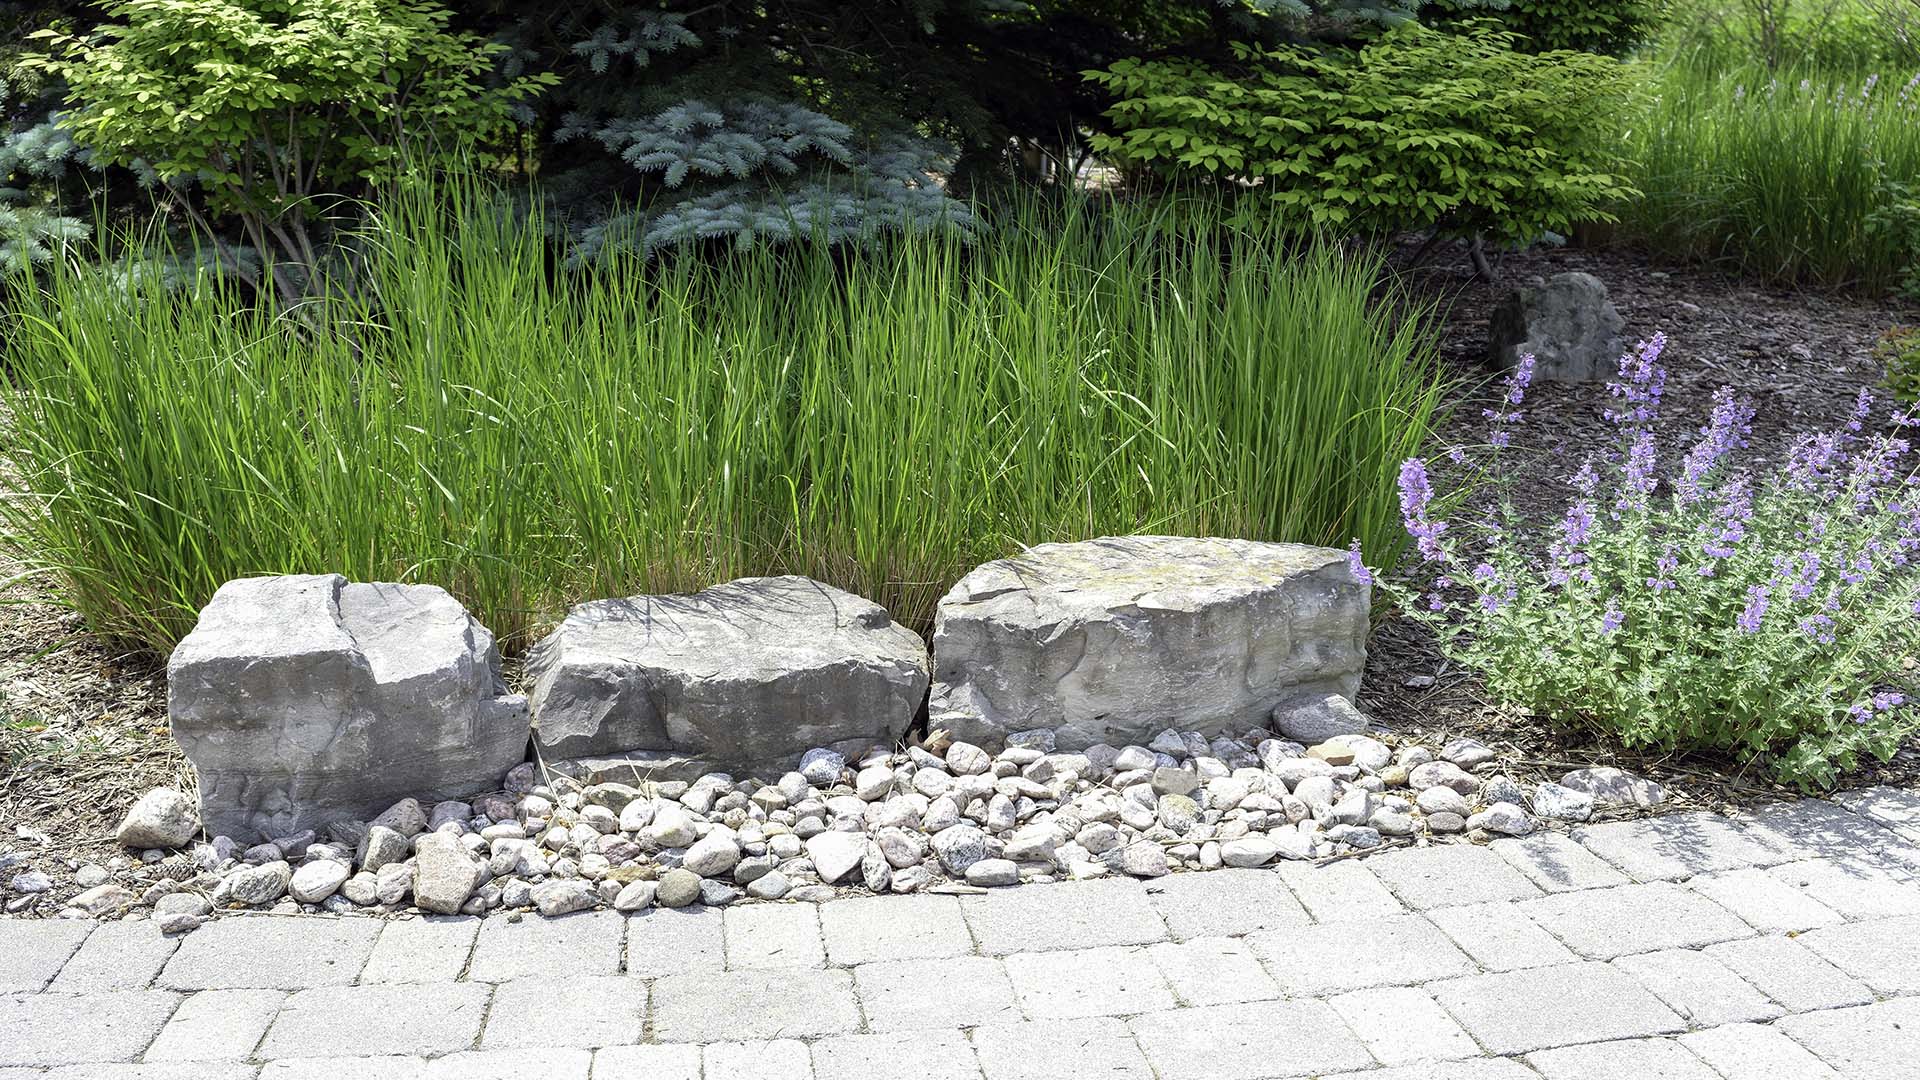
x=1811 y=180
x=882 y=420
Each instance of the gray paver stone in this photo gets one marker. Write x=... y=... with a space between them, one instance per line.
x=156 y=1070
x=941 y=1055
x=1340 y=892
x=1518 y=1011
x=1322 y=959
x=270 y=952
x=1500 y=936
x=1756 y=1052
x=773 y=936
x=434 y=949
x=1100 y=1047
x=869 y=928
x=1471 y=1069
x=1449 y=874
x=1855 y=889
x=566 y=1010
x=1896 y=808
x=1883 y=953
x=1556 y=863
x=32 y=951
x=1698 y=987
x=954 y=991
x=1674 y=846
x=1870 y=1042
x=583 y=943
x=116 y=956
x=1642 y=1059
x=670 y=941
x=1763 y=901
x=1605 y=923
x=703 y=1007
x=1230 y=901
x=1067 y=985
x=1244 y=1042
x=377 y=1067
x=1790 y=973
x=1400 y=1024
x=217 y=1025
x=658 y=1061
x=546 y=1063
x=66 y=1029
x=762 y=1059
x=1816 y=828
x=1065 y=915
x=1213 y=971
x=369 y=1021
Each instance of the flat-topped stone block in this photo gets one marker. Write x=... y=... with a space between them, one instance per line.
x=305 y=699
x=747 y=675
x=1113 y=640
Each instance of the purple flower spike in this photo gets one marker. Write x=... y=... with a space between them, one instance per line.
x=1508 y=411
x=1757 y=600
x=1862 y=408
x=1613 y=619
x=1726 y=431
x=1812 y=460
x=1356 y=566
x=1663 y=568
x=1416 y=496
x=1637 y=479
x=1642 y=381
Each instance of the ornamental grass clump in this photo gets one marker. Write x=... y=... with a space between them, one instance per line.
x=1768 y=610
x=1812 y=180
x=882 y=418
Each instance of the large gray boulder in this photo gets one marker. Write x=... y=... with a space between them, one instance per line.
x=745 y=676
x=1113 y=640
x=1566 y=323
x=303 y=700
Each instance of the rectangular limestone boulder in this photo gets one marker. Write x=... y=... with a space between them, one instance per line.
x=1114 y=640
x=305 y=699
x=745 y=676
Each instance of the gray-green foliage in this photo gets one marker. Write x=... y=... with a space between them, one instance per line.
x=742 y=167
x=33 y=160
x=783 y=171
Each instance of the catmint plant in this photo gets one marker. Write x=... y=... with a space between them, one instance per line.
x=1769 y=610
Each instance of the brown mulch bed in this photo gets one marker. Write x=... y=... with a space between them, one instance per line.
x=83 y=730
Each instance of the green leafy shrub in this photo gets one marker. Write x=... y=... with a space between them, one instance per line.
x=882 y=418
x=1898 y=350
x=275 y=107
x=1416 y=129
x=1609 y=27
x=1766 y=610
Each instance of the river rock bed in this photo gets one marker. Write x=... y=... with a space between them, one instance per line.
x=939 y=816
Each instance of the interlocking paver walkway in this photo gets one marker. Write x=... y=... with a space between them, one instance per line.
x=1782 y=944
